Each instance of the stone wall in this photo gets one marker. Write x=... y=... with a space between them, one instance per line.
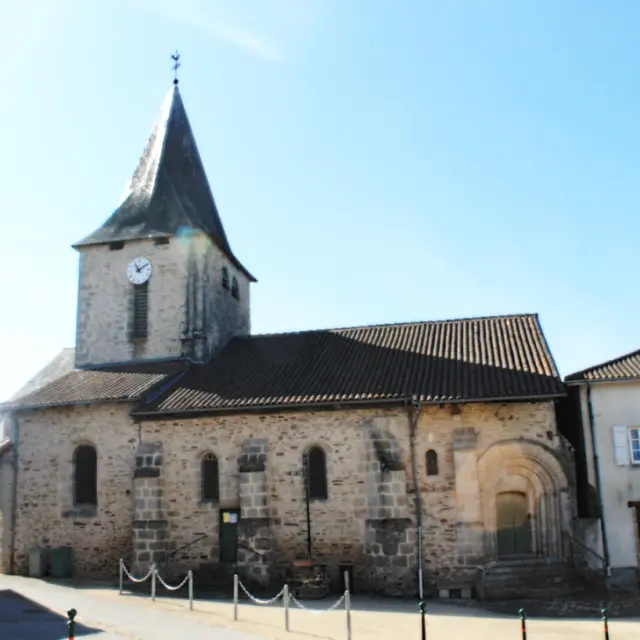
x=45 y=512
x=368 y=520
x=185 y=296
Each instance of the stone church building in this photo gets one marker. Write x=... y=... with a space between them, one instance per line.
x=173 y=435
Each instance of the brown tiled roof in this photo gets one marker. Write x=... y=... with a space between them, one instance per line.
x=626 y=367
x=478 y=359
x=106 y=384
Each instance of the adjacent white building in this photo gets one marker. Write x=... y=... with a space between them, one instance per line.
x=609 y=405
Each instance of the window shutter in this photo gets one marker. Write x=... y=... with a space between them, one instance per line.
x=621 y=446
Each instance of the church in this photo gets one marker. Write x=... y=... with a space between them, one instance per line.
x=172 y=435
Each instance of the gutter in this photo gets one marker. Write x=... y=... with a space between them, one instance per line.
x=575 y=383
x=596 y=466
x=349 y=404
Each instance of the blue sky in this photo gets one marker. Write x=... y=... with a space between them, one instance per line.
x=373 y=161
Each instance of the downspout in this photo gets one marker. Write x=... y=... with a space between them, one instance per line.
x=414 y=417
x=15 y=437
x=596 y=466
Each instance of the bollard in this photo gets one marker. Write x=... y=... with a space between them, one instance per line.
x=605 y=620
x=153 y=582
x=121 y=575
x=71 y=614
x=523 y=623
x=190 y=589
x=347 y=606
x=235 y=596
x=423 y=619
x=285 y=602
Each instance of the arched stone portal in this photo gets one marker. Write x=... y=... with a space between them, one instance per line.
x=524 y=492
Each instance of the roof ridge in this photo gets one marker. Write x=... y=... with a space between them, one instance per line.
x=606 y=363
x=382 y=325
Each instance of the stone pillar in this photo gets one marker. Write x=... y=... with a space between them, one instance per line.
x=390 y=536
x=469 y=522
x=150 y=526
x=254 y=526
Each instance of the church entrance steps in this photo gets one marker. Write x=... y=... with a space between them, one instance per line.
x=536 y=579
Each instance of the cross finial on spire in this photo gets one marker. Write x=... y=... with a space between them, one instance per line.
x=176 y=65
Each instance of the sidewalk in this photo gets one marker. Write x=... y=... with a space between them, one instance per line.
x=137 y=617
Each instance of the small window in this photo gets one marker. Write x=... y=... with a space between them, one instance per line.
x=316 y=474
x=116 y=246
x=634 y=442
x=234 y=288
x=225 y=278
x=140 y=310
x=161 y=241
x=432 y=463
x=85 y=476
x=210 y=483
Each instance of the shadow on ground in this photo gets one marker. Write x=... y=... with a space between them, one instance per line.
x=23 y=618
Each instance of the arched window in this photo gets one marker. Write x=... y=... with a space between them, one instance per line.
x=85 y=475
x=225 y=277
x=210 y=490
x=317 y=474
x=432 y=463
x=235 y=292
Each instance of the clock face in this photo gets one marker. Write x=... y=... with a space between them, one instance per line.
x=139 y=270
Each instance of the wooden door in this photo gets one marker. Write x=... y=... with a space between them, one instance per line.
x=229 y=535
x=513 y=524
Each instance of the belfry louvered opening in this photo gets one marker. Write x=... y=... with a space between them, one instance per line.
x=140 y=310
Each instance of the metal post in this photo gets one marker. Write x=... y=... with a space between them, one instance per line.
x=71 y=614
x=605 y=620
x=153 y=582
x=305 y=470
x=121 y=575
x=190 y=589
x=235 y=596
x=285 y=601
x=347 y=607
x=523 y=623
x=423 y=619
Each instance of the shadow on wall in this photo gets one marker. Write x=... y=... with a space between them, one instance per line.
x=23 y=618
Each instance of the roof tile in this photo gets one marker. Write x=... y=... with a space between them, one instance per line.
x=478 y=359
x=626 y=367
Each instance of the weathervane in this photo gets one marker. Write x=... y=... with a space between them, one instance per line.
x=176 y=65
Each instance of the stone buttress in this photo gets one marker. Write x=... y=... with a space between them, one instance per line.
x=150 y=526
x=254 y=526
x=390 y=536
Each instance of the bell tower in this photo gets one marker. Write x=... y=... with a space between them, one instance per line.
x=158 y=279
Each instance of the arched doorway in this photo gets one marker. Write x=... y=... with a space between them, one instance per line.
x=513 y=523
x=525 y=500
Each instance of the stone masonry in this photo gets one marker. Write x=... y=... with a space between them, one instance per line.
x=254 y=527
x=176 y=301
x=150 y=526
x=366 y=521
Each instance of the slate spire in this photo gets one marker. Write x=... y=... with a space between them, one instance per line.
x=169 y=190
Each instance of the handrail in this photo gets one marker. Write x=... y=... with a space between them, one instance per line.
x=573 y=541
x=173 y=553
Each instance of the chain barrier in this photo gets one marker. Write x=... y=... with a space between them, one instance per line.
x=154 y=575
x=316 y=611
x=169 y=587
x=134 y=579
x=259 y=600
